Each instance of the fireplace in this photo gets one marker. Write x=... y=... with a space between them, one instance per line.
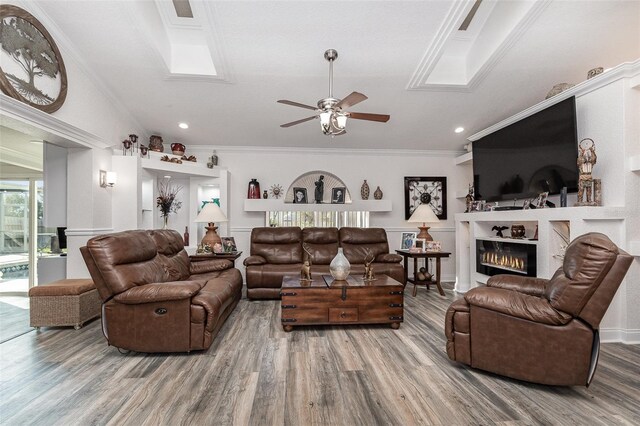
x=506 y=256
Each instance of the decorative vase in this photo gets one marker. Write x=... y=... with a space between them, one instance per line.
x=253 y=193
x=155 y=143
x=517 y=231
x=364 y=190
x=340 y=266
x=378 y=194
x=165 y=222
x=214 y=158
x=265 y=194
x=178 y=148
x=186 y=236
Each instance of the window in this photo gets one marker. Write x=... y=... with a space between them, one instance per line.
x=305 y=219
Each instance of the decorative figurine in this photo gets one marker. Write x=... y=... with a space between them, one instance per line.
x=587 y=186
x=368 y=275
x=305 y=273
x=469 y=199
x=319 y=192
x=144 y=151
x=499 y=230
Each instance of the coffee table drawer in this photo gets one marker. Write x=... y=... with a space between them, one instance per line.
x=343 y=314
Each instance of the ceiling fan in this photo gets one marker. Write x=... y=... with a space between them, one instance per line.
x=331 y=111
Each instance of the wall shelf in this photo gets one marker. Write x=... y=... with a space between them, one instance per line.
x=280 y=205
x=509 y=240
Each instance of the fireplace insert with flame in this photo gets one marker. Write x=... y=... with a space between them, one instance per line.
x=505 y=257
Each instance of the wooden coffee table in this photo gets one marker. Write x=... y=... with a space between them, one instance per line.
x=354 y=301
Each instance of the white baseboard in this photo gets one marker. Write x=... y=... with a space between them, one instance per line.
x=611 y=335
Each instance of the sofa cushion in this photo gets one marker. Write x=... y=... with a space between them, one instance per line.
x=277 y=245
x=357 y=243
x=322 y=243
x=170 y=247
x=126 y=259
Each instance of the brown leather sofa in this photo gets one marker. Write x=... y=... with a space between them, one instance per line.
x=541 y=331
x=155 y=299
x=276 y=252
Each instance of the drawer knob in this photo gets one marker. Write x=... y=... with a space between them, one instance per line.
x=343 y=315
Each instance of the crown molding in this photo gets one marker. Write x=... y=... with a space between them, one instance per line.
x=629 y=70
x=59 y=131
x=206 y=149
x=21 y=159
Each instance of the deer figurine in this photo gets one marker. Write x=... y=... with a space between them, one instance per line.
x=305 y=273
x=369 y=275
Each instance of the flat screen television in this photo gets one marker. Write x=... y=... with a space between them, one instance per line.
x=536 y=154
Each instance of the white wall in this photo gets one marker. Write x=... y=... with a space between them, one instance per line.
x=379 y=168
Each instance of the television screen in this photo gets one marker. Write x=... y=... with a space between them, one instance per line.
x=536 y=154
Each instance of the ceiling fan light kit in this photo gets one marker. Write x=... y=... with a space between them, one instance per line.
x=331 y=111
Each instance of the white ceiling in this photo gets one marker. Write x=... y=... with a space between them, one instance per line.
x=268 y=50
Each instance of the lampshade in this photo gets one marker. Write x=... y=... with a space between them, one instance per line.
x=424 y=214
x=211 y=213
x=341 y=121
x=325 y=118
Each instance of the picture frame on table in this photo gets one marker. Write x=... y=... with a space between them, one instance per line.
x=228 y=245
x=434 y=246
x=407 y=240
x=420 y=245
x=541 y=201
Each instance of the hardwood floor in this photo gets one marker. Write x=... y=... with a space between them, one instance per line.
x=257 y=374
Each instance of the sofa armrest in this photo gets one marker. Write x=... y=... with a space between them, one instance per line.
x=202 y=267
x=388 y=258
x=519 y=305
x=527 y=285
x=159 y=292
x=254 y=260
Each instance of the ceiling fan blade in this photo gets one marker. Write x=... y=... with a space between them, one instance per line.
x=293 y=123
x=383 y=118
x=351 y=100
x=296 y=104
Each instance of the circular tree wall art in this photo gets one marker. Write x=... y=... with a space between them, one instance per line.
x=31 y=67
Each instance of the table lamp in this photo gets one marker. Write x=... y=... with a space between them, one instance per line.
x=210 y=214
x=423 y=214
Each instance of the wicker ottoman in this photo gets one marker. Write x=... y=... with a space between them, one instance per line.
x=64 y=302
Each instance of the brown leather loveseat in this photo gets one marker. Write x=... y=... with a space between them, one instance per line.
x=276 y=252
x=155 y=299
x=541 y=331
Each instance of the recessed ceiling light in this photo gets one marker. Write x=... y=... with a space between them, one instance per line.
x=167 y=177
x=183 y=125
x=459 y=129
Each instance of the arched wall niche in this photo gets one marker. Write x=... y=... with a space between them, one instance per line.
x=308 y=181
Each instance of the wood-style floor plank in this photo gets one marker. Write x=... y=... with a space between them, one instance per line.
x=256 y=374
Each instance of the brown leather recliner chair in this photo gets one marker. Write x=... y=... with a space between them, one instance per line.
x=155 y=299
x=541 y=331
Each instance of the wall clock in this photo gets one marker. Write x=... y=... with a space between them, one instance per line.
x=32 y=70
x=425 y=190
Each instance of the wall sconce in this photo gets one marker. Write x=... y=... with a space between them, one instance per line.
x=107 y=179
